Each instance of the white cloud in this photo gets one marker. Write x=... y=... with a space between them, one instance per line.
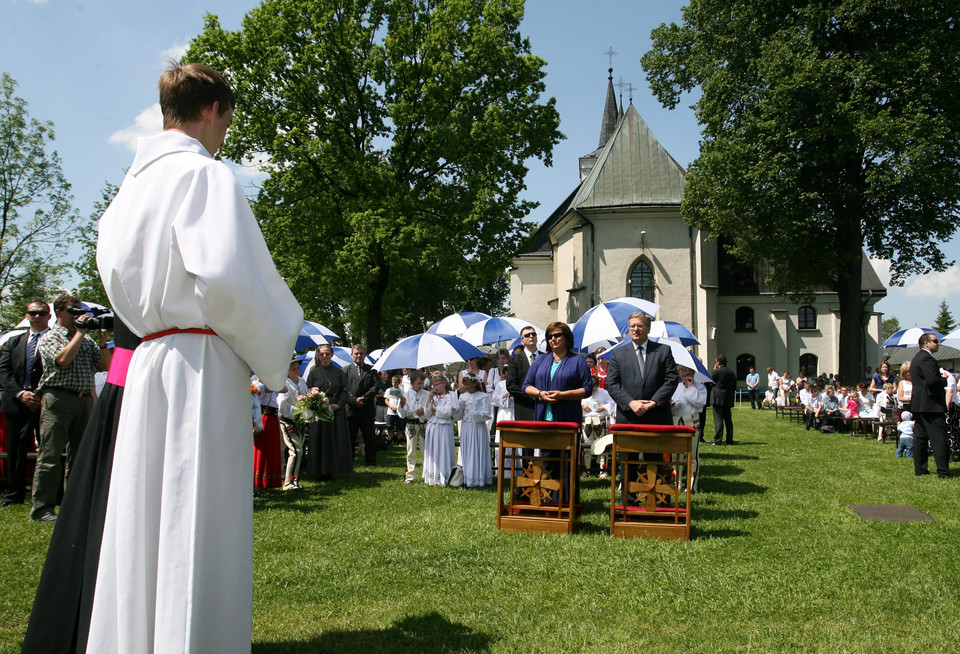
x=935 y=284
x=147 y=123
x=175 y=51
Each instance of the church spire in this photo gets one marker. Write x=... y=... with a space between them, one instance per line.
x=610 y=112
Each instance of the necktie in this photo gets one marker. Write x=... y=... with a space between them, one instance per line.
x=533 y=355
x=31 y=355
x=641 y=361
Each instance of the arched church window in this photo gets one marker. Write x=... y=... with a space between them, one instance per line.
x=809 y=364
x=745 y=321
x=641 y=282
x=806 y=318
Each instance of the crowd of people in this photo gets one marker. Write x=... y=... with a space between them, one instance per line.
x=883 y=402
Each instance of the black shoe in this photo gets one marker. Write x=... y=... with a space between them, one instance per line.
x=717 y=444
x=9 y=501
x=46 y=519
x=731 y=442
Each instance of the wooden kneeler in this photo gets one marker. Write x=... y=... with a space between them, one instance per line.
x=535 y=495
x=661 y=510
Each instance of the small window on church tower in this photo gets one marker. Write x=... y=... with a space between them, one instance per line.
x=745 y=320
x=641 y=282
x=806 y=318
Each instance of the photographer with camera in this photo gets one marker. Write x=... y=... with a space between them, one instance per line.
x=70 y=358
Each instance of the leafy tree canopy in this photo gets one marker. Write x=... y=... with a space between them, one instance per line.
x=90 y=287
x=36 y=217
x=828 y=127
x=396 y=135
x=889 y=327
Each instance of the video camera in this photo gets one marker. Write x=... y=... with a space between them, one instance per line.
x=97 y=321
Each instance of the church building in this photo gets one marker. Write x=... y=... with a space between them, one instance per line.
x=620 y=233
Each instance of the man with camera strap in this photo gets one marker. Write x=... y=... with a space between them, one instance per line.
x=70 y=358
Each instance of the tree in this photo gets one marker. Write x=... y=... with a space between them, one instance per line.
x=828 y=127
x=945 y=322
x=396 y=135
x=36 y=217
x=90 y=288
x=889 y=327
x=37 y=280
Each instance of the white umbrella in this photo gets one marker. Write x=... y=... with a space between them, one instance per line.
x=456 y=323
x=496 y=330
x=608 y=320
x=426 y=350
x=952 y=339
x=11 y=334
x=681 y=355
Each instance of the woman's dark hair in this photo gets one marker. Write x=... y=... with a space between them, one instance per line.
x=567 y=334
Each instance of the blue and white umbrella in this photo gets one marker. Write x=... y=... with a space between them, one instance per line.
x=674 y=331
x=608 y=321
x=313 y=334
x=425 y=350
x=681 y=355
x=456 y=323
x=910 y=337
x=496 y=330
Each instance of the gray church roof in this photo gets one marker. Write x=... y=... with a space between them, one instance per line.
x=632 y=169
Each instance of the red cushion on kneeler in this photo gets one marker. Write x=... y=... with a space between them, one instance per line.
x=519 y=506
x=659 y=509
x=536 y=424
x=662 y=429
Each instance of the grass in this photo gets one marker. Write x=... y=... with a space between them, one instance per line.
x=778 y=562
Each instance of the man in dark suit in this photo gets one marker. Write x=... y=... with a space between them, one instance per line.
x=20 y=370
x=929 y=407
x=361 y=408
x=517 y=368
x=642 y=396
x=724 y=393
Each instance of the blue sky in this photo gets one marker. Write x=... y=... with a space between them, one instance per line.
x=91 y=68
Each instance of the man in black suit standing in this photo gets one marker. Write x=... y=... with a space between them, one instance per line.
x=724 y=394
x=361 y=409
x=642 y=377
x=929 y=407
x=20 y=370
x=517 y=368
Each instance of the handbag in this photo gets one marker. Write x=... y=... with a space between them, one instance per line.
x=456 y=477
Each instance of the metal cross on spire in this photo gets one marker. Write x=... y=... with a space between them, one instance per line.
x=610 y=54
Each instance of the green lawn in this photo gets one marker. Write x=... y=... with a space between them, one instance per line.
x=778 y=562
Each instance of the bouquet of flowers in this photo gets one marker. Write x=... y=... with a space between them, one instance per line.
x=312 y=407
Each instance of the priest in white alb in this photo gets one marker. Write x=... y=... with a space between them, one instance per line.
x=185 y=266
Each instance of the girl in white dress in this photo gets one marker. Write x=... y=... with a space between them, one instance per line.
x=504 y=403
x=438 y=450
x=474 y=436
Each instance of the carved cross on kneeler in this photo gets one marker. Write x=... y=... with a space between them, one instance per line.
x=653 y=487
x=536 y=483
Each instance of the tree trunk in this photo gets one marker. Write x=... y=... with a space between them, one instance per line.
x=375 y=311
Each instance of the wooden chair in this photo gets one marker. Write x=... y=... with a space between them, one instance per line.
x=661 y=509
x=538 y=498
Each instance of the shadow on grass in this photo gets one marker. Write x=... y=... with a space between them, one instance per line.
x=712 y=454
x=430 y=632
x=316 y=492
x=729 y=486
